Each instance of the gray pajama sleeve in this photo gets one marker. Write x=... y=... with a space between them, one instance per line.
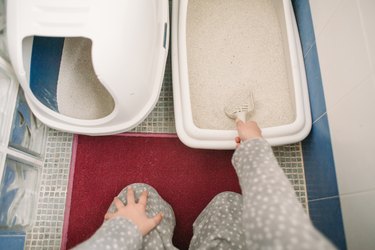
x=272 y=216
x=116 y=233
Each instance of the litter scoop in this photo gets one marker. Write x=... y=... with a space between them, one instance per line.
x=240 y=108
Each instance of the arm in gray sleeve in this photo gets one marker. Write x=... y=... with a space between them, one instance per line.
x=116 y=233
x=273 y=218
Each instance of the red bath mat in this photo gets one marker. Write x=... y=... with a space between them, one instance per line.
x=186 y=178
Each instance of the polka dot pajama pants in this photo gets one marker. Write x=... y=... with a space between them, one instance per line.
x=266 y=216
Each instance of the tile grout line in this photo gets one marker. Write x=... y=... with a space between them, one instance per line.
x=320 y=117
x=324 y=198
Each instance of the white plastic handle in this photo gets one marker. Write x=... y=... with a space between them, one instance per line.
x=241 y=116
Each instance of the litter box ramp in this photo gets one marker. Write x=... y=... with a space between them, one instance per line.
x=208 y=70
x=88 y=66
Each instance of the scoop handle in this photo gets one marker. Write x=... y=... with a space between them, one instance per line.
x=241 y=116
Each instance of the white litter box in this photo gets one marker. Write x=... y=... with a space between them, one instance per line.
x=88 y=66
x=221 y=49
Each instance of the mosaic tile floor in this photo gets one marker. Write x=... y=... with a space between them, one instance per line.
x=291 y=162
x=47 y=231
x=161 y=119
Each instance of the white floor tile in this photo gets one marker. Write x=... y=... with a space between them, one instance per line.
x=352 y=124
x=367 y=10
x=342 y=53
x=321 y=11
x=359 y=220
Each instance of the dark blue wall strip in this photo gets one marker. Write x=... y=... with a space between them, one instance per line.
x=322 y=191
x=304 y=22
x=44 y=69
x=310 y=54
x=326 y=216
x=315 y=85
x=319 y=163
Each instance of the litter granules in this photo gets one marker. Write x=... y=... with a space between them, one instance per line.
x=234 y=47
x=79 y=92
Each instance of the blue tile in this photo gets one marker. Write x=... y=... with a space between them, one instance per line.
x=319 y=163
x=11 y=232
x=44 y=69
x=314 y=83
x=12 y=240
x=304 y=23
x=327 y=218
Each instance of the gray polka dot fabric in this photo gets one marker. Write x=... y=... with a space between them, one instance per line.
x=219 y=226
x=272 y=216
x=112 y=231
x=117 y=233
x=266 y=216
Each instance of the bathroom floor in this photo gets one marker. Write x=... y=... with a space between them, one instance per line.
x=47 y=232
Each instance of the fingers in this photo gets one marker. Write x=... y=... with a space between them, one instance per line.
x=118 y=203
x=242 y=125
x=248 y=130
x=143 y=199
x=239 y=123
x=238 y=141
x=157 y=219
x=130 y=196
x=150 y=224
x=108 y=216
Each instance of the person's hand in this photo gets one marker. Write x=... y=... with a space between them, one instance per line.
x=247 y=131
x=135 y=212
